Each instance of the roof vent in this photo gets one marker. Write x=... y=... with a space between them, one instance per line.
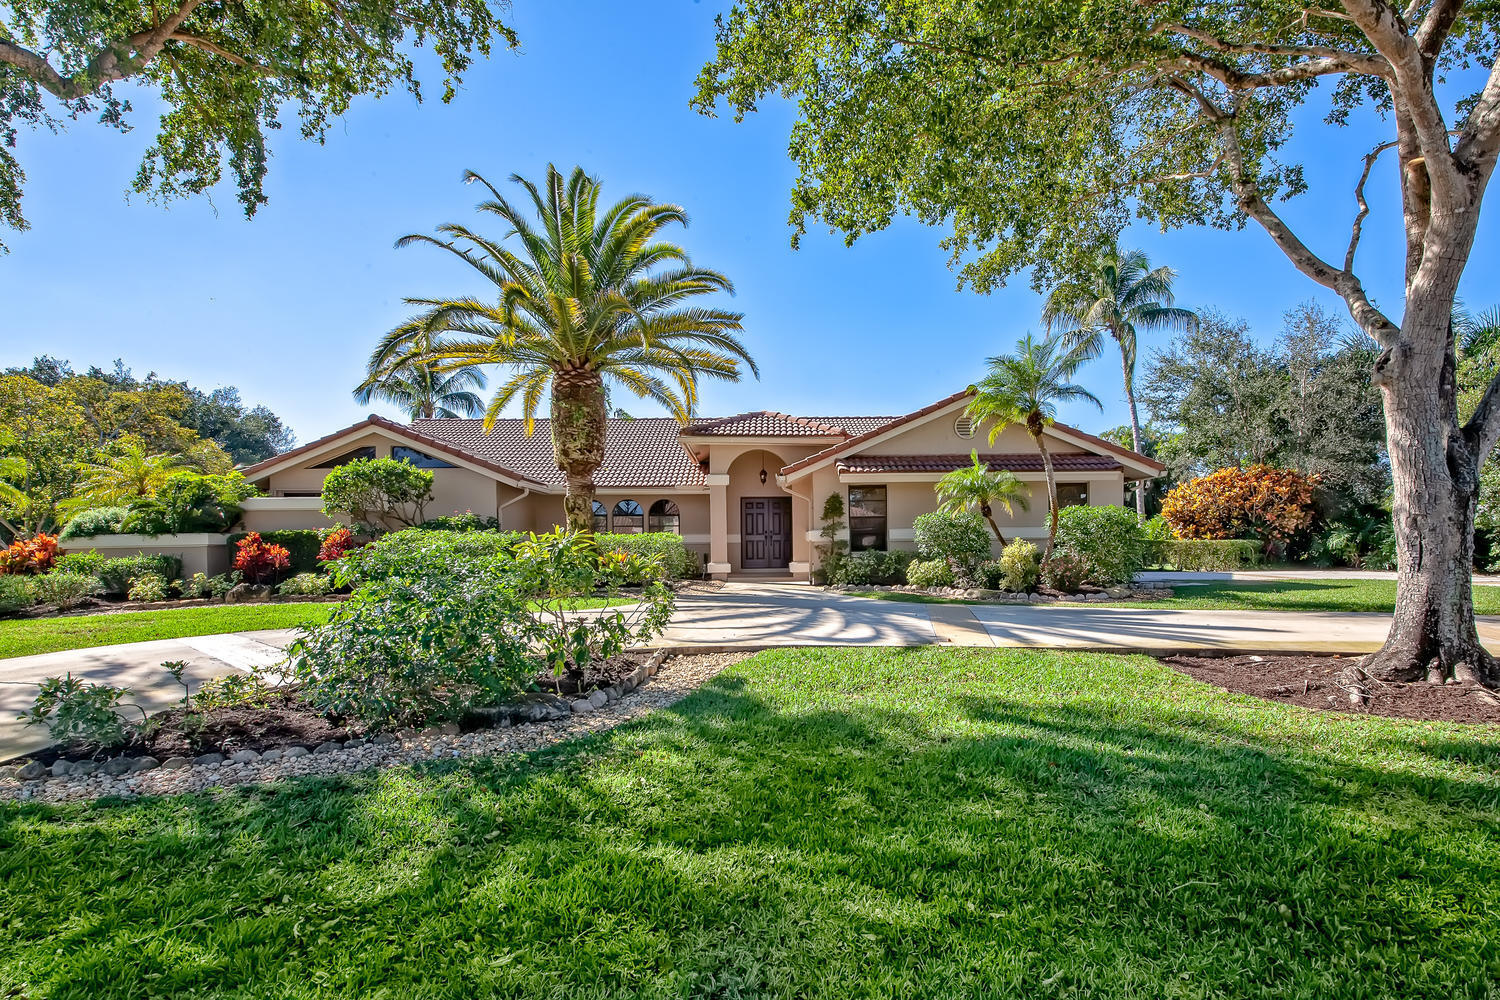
x=964 y=427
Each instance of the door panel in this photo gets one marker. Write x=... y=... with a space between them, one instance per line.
x=765 y=532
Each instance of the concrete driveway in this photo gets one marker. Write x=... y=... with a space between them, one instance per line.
x=779 y=614
x=134 y=665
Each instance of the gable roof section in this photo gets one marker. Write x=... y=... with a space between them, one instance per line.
x=412 y=433
x=638 y=452
x=761 y=423
x=1009 y=461
x=817 y=458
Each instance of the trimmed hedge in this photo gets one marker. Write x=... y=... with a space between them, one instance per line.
x=1109 y=540
x=677 y=560
x=415 y=554
x=118 y=574
x=97 y=521
x=88 y=563
x=301 y=544
x=873 y=566
x=1210 y=555
x=962 y=537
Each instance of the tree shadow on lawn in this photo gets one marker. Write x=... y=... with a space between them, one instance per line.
x=750 y=843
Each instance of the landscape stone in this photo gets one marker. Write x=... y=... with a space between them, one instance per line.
x=290 y=752
x=328 y=747
x=244 y=757
x=352 y=744
x=583 y=705
x=613 y=692
x=446 y=729
x=383 y=739
x=599 y=699
x=144 y=764
x=61 y=768
x=117 y=765
x=273 y=755
x=174 y=763
x=31 y=770
x=244 y=593
x=209 y=758
x=83 y=767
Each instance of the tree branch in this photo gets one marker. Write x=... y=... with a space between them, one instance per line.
x=1361 y=62
x=1483 y=429
x=1356 y=230
x=1434 y=29
x=1479 y=139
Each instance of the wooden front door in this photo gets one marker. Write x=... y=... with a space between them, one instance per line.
x=765 y=532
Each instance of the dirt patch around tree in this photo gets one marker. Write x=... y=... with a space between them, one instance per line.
x=1316 y=682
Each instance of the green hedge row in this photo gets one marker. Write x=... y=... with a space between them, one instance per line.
x=301 y=544
x=677 y=560
x=1209 y=555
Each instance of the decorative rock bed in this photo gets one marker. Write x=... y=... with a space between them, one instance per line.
x=531 y=723
x=1136 y=592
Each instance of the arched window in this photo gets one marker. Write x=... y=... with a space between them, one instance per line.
x=665 y=517
x=628 y=519
x=601 y=517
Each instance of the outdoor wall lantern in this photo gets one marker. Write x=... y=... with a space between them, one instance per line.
x=763 y=477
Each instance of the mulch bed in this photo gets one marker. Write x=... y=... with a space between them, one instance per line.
x=599 y=675
x=1311 y=682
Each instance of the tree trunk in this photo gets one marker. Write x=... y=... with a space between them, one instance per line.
x=989 y=515
x=1135 y=435
x=1041 y=446
x=1435 y=470
x=578 y=428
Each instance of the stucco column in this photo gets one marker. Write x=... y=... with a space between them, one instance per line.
x=718 y=525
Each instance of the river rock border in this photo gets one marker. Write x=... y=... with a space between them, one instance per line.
x=1135 y=592
x=525 y=726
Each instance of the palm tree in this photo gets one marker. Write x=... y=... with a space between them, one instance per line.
x=977 y=487
x=421 y=388
x=584 y=298
x=130 y=473
x=1026 y=388
x=1121 y=296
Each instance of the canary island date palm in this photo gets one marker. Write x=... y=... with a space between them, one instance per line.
x=1026 y=388
x=1122 y=296
x=585 y=297
x=421 y=388
x=975 y=487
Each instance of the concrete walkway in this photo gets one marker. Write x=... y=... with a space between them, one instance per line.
x=1187 y=578
x=759 y=615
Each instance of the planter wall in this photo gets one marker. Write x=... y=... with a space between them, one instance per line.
x=203 y=552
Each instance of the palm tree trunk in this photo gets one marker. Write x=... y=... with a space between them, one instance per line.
x=578 y=428
x=1135 y=434
x=1041 y=446
x=989 y=515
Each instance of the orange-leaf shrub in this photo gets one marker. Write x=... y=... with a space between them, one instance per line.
x=336 y=544
x=1260 y=501
x=260 y=560
x=29 y=555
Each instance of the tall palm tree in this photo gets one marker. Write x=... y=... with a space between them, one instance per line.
x=976 y=487
x=1026 y=388
x=1122 y=296
x=584 y=297
x=421 y=387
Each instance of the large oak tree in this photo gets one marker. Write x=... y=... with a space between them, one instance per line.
x=226 y=71
x=1036 y=129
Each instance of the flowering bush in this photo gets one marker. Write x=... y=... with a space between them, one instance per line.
x=29 y=556
x=260 y=561
x=1261 y=501
x=336 y=544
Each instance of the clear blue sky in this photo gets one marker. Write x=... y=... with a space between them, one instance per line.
x=287 y=306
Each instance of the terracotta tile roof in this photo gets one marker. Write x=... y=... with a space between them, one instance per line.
x=644 y=451
x=866 y=435
x=762 y=423
x=1012 y=461
x=854 y=426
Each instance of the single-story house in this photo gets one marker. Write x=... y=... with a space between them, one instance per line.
x=745 y=491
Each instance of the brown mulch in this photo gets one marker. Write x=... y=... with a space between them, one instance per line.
x=598 y=675
x=1310 y=681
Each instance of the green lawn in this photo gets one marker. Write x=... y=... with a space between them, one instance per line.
x=815 y=823
x=21 y=637
x=1282 y=595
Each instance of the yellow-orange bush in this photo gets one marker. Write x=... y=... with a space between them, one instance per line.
x=1260 y=501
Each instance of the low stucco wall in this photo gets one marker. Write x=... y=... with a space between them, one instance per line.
x=200 y=553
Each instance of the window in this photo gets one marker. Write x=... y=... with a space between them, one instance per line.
x=665 y=517
x=601 y=517
x=349 y=456
x=628 y=519
x=866 y=518
x=420 y=459
x=1072 y=495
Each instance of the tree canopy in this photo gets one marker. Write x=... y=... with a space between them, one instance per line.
x=226 y=73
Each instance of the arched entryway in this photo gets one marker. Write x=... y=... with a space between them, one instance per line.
x=760 y=514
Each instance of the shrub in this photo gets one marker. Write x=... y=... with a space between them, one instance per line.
x=441 y=636
x=962 y=537
x=833 y=550
x=929 y=573
x=1065 y=572
x=29 y=556
x=148 y=587
x=307 y=585
x=88 y=523
x=89 y=563
x=1020 y=566
x=337 y=542
x=197 y=585
x=303 y=546
x=678 y=562
x=383 y=494
x=1264 y=502
x=411 y=554
x=467 y=521
x=118 y=574
x=80 y=713
x=233 y=691
x=872 y=566
x=190 y=502
x=260 y=561
x=1210 y=555
x=15 y=594
x=62 y=589
x=1109 y=540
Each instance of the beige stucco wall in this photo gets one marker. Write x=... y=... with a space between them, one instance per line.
x=200 y=553
x=936 y=436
